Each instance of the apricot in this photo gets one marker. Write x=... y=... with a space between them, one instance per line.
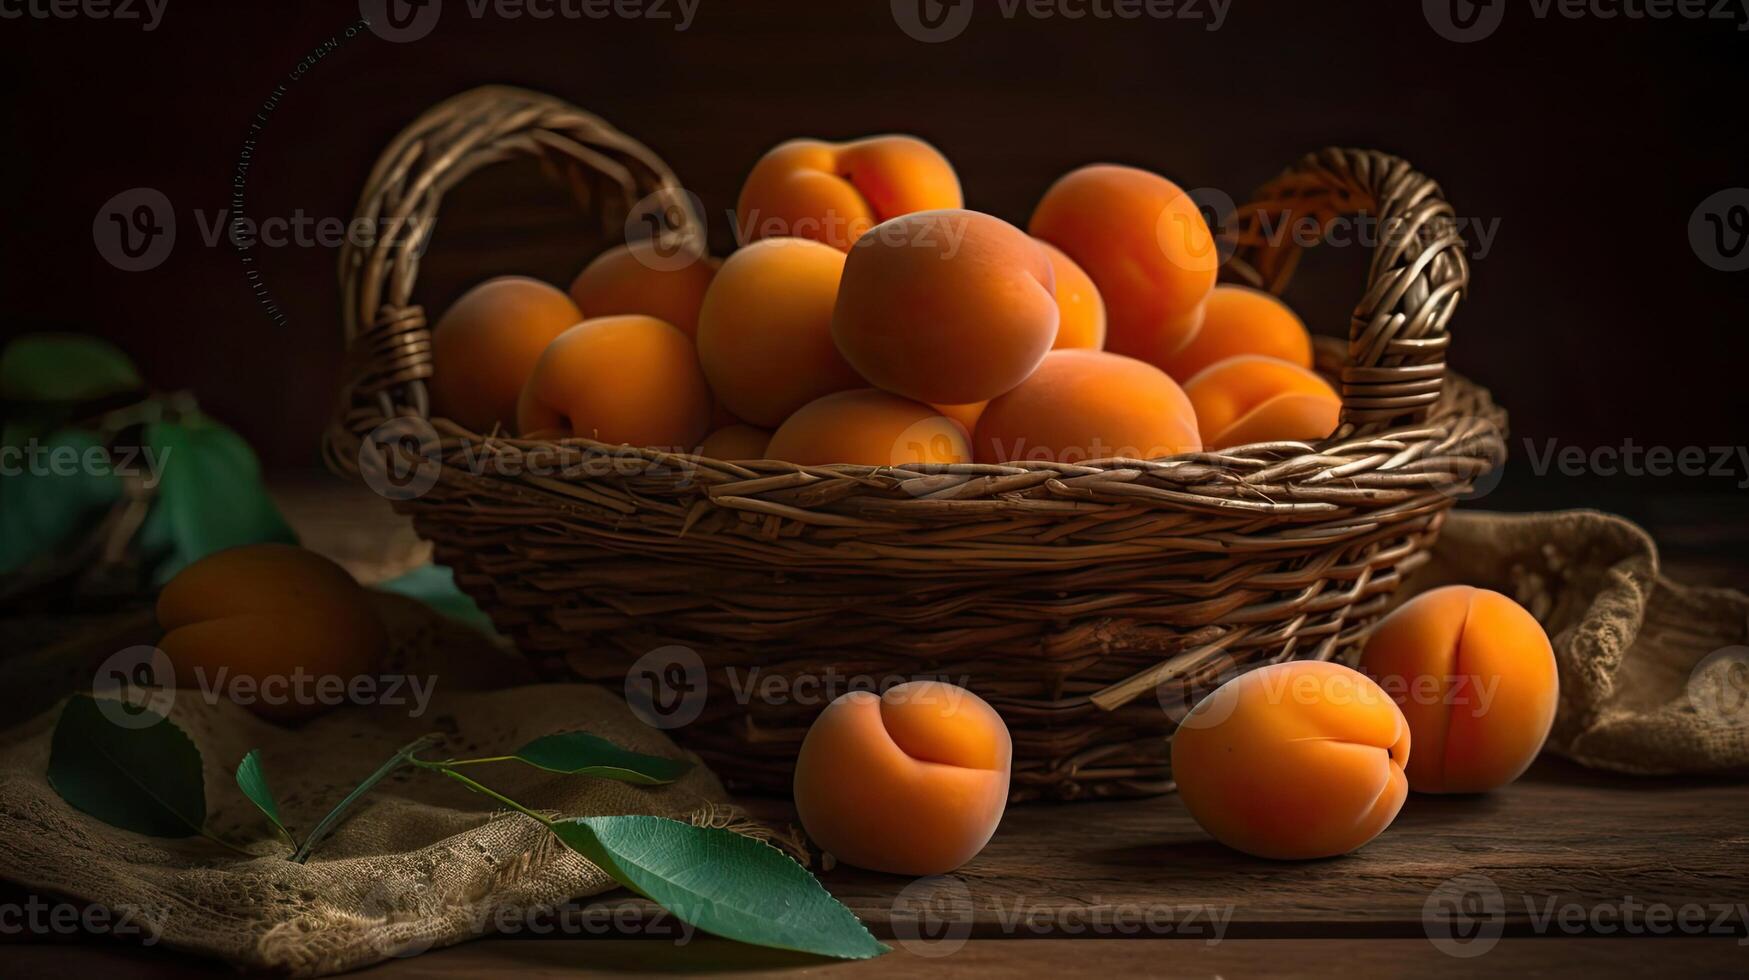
x=635 y=278
x=1240 y=320
x=1087 y=404
x=1252 y=398
x=619 y=379
x=1476 y=678
x=870 y=428
x=1080 y=311
x=1301 y=759
x=912 y=781
x=966 y=415
x=487 y=342
x=946 y=307
x=270 y=621
x=765 y=330
x=834 y=192
x=1146 y=246
x=738 y=441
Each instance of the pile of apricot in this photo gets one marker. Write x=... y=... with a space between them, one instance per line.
x=869 y=318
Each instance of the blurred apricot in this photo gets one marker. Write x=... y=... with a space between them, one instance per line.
x=870 y=428
x=913 y=781
x=631 y=380
x=1087 y=404
x=637 y=278
x=486 y=344
x=834 y=192
x=738 y=441
x=1251 y=398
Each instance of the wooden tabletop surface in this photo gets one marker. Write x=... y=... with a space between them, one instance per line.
x=1567 y=871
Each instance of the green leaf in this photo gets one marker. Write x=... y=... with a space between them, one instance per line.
x=722 y=882
x=435 y=586
x=252 y=780
x=64 y=367
x=48 y=493
x=580 y=753
x=128 y=767
x=210 y=497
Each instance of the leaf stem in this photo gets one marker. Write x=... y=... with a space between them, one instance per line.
x=399 y=759
x=469 y=762
x=443 y=767
x=233 y=848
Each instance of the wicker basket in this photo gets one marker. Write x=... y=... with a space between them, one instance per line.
x=1091 y=604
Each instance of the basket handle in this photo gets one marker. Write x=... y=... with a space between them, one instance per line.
x=1395 y=368
x=612 y=176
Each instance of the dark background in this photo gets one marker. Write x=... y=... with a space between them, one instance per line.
x=1585 y=144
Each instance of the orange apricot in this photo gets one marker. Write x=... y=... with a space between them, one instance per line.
x=636 y=278
x=628 y=379
x=487 y=342
x=870 y=428
x=1301 y=759
x=738 y=441
x=1080 y=311
x=946 y=307
x=1252 y=398
x=1475 y=676
x=1087 y=404
x=834 y=192
x=1241 y=320
x=765 y=330
x=1145 y=245
x=269 y=622
x=912 y=781
x=966 y=415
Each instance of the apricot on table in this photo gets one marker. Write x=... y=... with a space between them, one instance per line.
x=871 y=428
x=1080 y=311
x=834 y=192
x=631 y=379
x=1475 y=676
x=1252 y=398
x=487 y=342
x=1301 y=759
x=268 y=613
x=1146 y=246
x=1087 y=404
x=946 y=307
x=912 y=781
x=637 y=278
x=1241 y=320
x=765 y=330
x=737 y=441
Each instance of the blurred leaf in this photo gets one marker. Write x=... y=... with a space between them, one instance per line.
x=252 y=780
x=435 y=586
x=139 y=773
x=64 y=367
x=210 y=496
x=722 y=882
x=583 y=754
x=49 y=491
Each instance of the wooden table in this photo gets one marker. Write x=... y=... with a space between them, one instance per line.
x=1567 y=871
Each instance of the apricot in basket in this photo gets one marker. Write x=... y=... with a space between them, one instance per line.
x=487 y=342
x=1082 y=405
x=737 y=441
x=640 y=278
x=619 y=379
x=1080 y=311
x=1240 y=320
x=834 y=192
x=868 y=427
x=1252 y=398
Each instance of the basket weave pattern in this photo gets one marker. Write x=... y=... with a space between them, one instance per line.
x=1089 y=603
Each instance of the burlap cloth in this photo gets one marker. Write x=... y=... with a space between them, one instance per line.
x=1652 y=679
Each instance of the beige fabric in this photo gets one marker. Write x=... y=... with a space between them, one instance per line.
x=421 y=862
x=1654 y=673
